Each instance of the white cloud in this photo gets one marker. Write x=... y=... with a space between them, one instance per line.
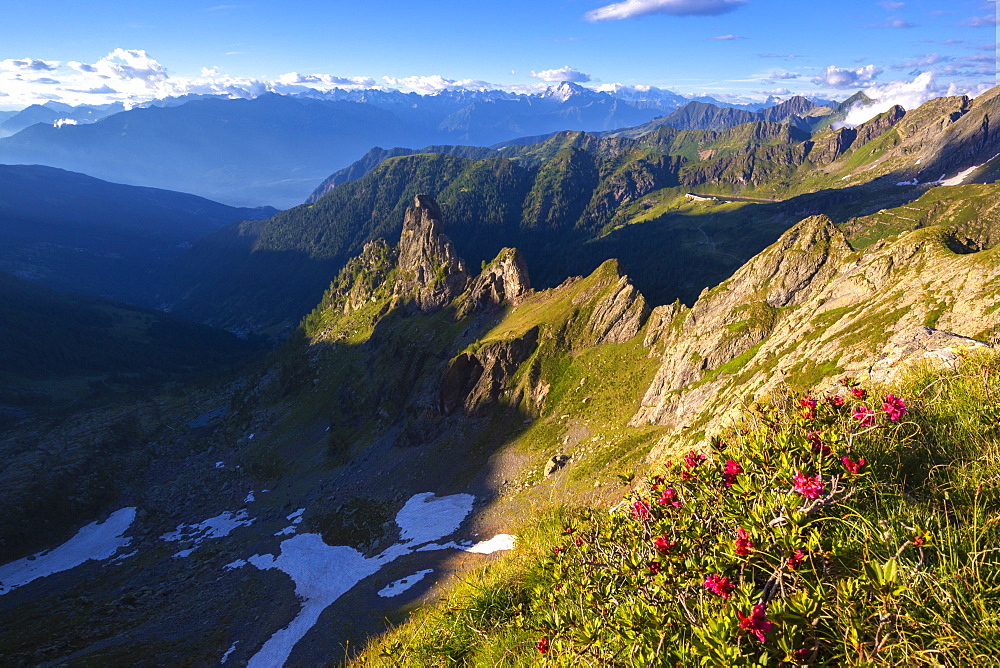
x=565 y=73
x=634 y=8
x=325 y=81
x=783 y=75
x=987 y=21
x=892 y=6
x=907 y=94
x=836 y=77
x=435 y=83
x=29 y=64
x=923 y=60
x=894 y=22
x=724 y=38
x=777 y=91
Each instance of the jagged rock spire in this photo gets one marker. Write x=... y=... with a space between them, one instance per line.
x=430 y=272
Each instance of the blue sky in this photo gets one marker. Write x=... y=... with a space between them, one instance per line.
x=96 y=52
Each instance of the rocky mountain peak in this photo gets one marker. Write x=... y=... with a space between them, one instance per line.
x=503 y=281
x=430 y=272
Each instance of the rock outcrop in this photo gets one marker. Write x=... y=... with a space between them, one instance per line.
x=503 y=281
x=618 y=316
x=430 y=273
x=809 y=310
x=475 y=380
x=921 y=345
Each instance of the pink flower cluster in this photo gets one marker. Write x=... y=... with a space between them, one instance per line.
x=719 y=585
x=669 y=498
x=815 y=438
x=809 y=407
x=852 y=466
x=732 y=470
x=663 y=545
x=640 y=510
x=865 y=416
x=796 y=559
x=894 y=407
x=743 y=546
x=808 y=486
x=756 y=623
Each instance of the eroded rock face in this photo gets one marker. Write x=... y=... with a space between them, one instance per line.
x=503 y=281
x=474 y=381
x=921 y=345
x=619 y=316
x=431 y=274
x=809 y=310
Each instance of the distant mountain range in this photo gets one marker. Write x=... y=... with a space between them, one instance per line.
x=275 y=149
x=54 y=113
x=575 y=199
x=69 y=231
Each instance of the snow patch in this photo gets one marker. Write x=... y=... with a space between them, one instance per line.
x=233 y=565
x=960 y=177
x=399 y=586
x=220 y=465
x=92 y=542
x=214 y=527
x=502 y=541
x=250 y=498
x=225 y=657
x=424 y=518
x=323 y=573
x=286 y=531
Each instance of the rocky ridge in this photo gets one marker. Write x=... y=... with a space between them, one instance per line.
x=809 y=310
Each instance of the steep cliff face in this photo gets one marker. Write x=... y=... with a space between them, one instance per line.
x=503 y=281
x=475 y=380
x=431 y=274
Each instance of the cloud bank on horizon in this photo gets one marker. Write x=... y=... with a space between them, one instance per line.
x=133 y=76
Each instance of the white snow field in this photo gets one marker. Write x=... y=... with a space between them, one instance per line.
x=323 y=573
x=94 y=541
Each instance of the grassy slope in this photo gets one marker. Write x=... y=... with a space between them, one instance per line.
x=935 y=476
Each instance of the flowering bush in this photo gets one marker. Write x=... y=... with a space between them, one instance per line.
x=732 y=557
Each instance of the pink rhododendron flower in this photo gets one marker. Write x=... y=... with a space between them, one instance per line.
x=663 y=545
x=858 y=392
x=654 y=567
x=835 y=400
x=815 y=438
x=808 y=403
x=543 y=645
x=640 y=510
x=719 y=585
x=732 y=470
x=865 y=416
x=894 y=407
x=669 y=498
x=852 y=467
x=692 y=459
x=796 y=559
x=743 y=544
x=808 y=486
x=757 y=623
